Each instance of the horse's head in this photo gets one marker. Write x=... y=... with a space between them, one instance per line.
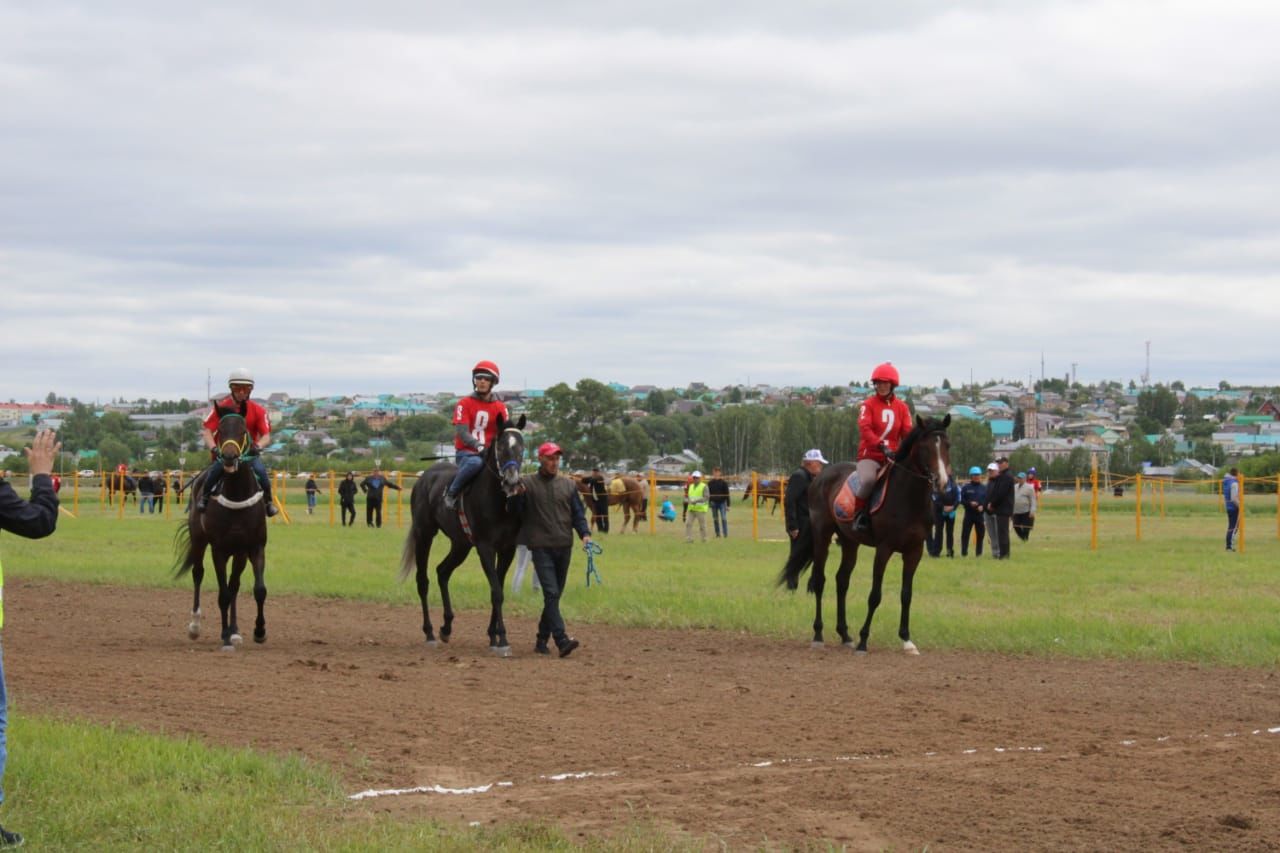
x=231 y=439
x=508 y=453
x=929 y=450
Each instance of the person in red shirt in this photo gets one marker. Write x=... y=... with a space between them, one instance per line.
x=1034 y=481
x=240 y=382
x=475 y=423
x=883 y=422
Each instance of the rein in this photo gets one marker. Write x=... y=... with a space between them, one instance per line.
x=230 y=442
x=928 y=478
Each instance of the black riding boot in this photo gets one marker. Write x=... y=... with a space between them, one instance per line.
x=212 y=476
x=265 y=482
x=862 y=522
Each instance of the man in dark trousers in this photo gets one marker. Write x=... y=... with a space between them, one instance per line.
x=718 y=492
x=973 y=496
x=347 y=498
x=34 y=519
x=795 y=505
x=372 y=487
x=999 y=510
x=552 y=511
x=599 y=500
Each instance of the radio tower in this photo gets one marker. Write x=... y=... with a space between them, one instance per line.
x=1146 y=374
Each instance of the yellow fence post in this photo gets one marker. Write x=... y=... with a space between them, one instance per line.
x=1240 y=529
x=653 y=501
x=1077 y=497
x=75 y=493
x=1093 y=502
x=331 y=489
x=399 y=499
x=755 y=507
x=1162 y=498
x=1137 y=484
x=102 y=488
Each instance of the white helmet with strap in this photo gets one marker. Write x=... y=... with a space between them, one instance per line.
x=240 y=376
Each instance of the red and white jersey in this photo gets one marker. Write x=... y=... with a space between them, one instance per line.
x=480 y=418
x=255 y=417
x=882 y=420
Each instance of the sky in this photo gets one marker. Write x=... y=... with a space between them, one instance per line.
x=362 y=198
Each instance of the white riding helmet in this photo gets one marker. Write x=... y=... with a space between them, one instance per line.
x=240 y=376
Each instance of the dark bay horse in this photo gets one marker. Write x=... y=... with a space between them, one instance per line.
x=765 y=490
x=122 y=483
x=493 y=528
x=234 y=526
x=900 y=526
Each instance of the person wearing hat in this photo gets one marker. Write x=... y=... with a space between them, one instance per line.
x=475 y=426
x=240 y=383
x=697 y=501
x=944 y=518
x=999 y=509
x=1024 y=507
x=1034 y=482
x=883 y=422
x=795 y=505
x=973 y=497
x=552 y=510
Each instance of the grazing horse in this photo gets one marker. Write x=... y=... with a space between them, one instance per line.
x=626 y=492
x=234 y=526
x=492 y=534
x=899 y=526
x=764 y=490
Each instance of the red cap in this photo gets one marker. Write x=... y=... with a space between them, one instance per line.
x=549 y=448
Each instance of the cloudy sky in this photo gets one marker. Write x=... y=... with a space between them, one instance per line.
x=370 y=197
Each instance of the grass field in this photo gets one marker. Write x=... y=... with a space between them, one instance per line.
x=1175 y=595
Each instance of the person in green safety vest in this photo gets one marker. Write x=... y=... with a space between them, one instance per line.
x=697 y=502
x=34 y=519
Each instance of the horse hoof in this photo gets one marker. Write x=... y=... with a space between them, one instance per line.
x=910 y=648
x=817 y=644
x=859 y=651
x=228 y=648
x=501 y=651
x=236 y=640
x=193 y=631
x=850 y=644
x=259 y=638
x=433 y=643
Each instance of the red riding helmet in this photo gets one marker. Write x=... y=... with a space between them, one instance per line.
x=886 y=373
x=485 y=368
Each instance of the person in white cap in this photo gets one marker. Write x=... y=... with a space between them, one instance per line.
x=795 y=505
x=999 y=509
x=696 y=503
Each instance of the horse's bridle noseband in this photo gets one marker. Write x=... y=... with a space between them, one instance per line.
x=510 y=463
x=929 y=478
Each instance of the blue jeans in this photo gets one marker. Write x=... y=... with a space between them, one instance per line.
x=469 y=464
x=552 y=567
x=4 y=726
x=720 y=517
x=1233 y=520
x=311 y=501
x=146 y=502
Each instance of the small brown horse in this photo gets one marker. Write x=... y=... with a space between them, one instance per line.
x=631 y=497
x=765 y=490
x=900 y=526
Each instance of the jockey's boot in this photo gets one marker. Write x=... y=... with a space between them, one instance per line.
x=202 y=501
x=450 y=500
x=862 y=522
x=271 y=508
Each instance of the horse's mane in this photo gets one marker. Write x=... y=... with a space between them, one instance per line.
x=921 y=429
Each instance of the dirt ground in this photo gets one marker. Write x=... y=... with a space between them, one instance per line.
x=731 y=739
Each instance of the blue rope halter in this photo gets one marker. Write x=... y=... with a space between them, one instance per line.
x=592 y=550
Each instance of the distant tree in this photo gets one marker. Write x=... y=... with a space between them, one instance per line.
x=971 y=443
x=51 y=398
x=637 y=446
x=1159 y=404
x=1177 y=385
x=656 y=403
x=946 y=384
x=1224 y=385
x=112 y=451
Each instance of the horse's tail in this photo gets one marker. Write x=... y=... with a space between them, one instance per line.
x=797 y=564
x=183 y=550
x=409 y=556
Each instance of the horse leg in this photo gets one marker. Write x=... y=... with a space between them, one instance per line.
x=909 y=563
x=500 y=562
x=197 y=577
x=848 y=559
x=232 y=631
x=873 y=599
x=225 y=598
x=817 y=580
x=421 y=552
x=457 y=553
x=260 y=593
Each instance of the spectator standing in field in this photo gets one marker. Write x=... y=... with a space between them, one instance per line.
x=697 y=503
x=33 y=519
x=944 y=518
x=372 y=487
x=718 y=492
x=883 y=422
x=475 y=423
x=973 y=496
x=599 y=500
x=795 y=508
x=552 y=511
x=146 y=501
x=159 y=487
x=1034 y=482
x=1231 y=502
x=347 y=498
x=1024 y=507
x=999 y=510
x=313 y=491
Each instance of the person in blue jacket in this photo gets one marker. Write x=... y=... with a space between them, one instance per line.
x=973 y=497
x=944 y=518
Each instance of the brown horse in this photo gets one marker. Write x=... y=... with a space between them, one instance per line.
x=764 y=490
x=124 y=484
x=900 y=526
x=631 y=497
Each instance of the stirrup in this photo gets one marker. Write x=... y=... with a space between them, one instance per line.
x=450 y=501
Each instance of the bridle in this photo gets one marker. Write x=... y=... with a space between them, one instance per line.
x=239 y=446
x=501 y=468
x=937 y=432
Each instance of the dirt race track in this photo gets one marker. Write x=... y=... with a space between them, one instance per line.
x=734 y=740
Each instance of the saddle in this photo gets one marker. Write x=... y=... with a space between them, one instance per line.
x=845 y=505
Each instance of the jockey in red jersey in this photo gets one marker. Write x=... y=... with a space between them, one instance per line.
x=475 y=421
x=240 y=382
x=883 y=422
